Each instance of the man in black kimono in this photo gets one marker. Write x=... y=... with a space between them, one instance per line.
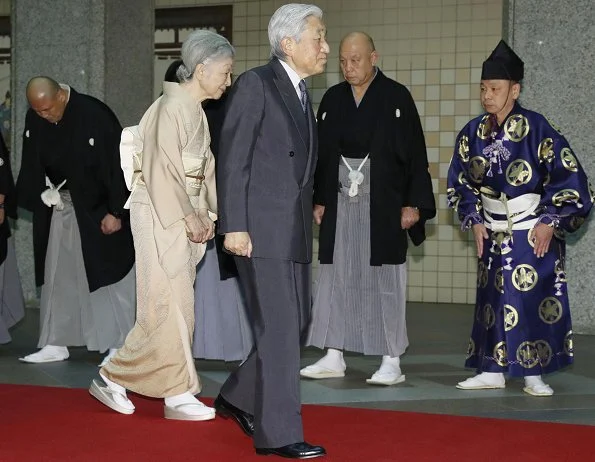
x=71 y=180
x=371 y=189
x=12 y=306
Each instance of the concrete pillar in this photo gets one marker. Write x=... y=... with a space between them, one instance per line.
x=100 y=47
x=556 y=39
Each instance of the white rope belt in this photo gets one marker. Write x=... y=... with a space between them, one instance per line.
x=515 y=210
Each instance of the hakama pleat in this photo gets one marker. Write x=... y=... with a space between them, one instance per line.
x=221 y=329
x=70 y=315
x=358 y=307
x=12 y=305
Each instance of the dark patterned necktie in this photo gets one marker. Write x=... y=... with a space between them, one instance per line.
x=303 y=95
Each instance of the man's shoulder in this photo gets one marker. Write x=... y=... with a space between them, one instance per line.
x=92 y=105
x=472 y=126
x=391 y=85
x=262 y=72
x=89 y=102
x=335 y=91
x=538 y=119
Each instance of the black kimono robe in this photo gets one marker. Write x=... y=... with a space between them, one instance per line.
x=7 y=188
x=82 y=148
x=398 y=168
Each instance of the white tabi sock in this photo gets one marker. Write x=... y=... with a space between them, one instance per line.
x=390 y=365
x=333 y=360
x=184 y=398
x=532 y=380
x=113 y=385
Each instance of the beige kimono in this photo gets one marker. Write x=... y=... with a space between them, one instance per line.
x=178 y=177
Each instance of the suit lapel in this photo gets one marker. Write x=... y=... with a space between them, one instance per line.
x=291 y=100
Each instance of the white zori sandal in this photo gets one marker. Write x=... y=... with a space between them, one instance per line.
x=109 y=394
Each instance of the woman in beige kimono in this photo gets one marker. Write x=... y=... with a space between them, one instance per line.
x=171 y=210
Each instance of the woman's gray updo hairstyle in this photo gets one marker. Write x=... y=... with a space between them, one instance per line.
x=202 y=46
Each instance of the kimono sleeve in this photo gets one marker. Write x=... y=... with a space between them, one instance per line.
x=6 y=180
x=419 y=188
x=207 y=199
x=462 y=196
x=567 y=196
x=110 y=171
x=321 y=174
x=31 y=179
x=163 y=170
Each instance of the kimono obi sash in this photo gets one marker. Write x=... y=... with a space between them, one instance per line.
x=131 y=156
x=194 y=168
x=509 y=215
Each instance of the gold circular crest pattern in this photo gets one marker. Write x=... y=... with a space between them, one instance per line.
x=477 y=168
x=489 y=316
x=524 y=277
x=464 y=148
x=526 y=355
x=550 y=310
x=482 y=275
x=462 y=179
x=544 y=352
x=470 y=348
x=499 y=280
x=483 y=129
x=519 y=172
x=568 y=160
x=576 y=223
x=516 y=127
x=511 y=317
x=500 y=354
x=565 y=195
x=569 y=344
x=545 y=152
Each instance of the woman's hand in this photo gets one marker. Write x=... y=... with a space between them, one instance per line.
x=199 y=227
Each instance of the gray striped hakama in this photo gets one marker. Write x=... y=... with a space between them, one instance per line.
x=358 y=307
x=70 y=315
x=221 y=328
x=12 y=305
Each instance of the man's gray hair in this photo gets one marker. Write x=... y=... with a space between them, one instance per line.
x=289 y=21
x=200 y=47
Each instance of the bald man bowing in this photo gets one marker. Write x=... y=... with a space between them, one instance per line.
x=70 y=178
x=371 y=189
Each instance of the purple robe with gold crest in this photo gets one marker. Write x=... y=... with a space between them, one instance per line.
x=510 y=178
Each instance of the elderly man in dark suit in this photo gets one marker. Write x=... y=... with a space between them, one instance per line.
x=265 y=172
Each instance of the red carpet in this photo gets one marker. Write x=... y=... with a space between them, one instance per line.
x=58 y=424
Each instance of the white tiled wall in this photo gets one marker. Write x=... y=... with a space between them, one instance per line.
x=435 y=48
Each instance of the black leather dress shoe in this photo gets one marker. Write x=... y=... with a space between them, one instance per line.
x=301 y=450
x=226 y=410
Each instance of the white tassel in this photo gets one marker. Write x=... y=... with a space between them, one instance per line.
x=51 y=196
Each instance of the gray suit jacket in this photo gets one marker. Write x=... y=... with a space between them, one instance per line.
x=265 y=168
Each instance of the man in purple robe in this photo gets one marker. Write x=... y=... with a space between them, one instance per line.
x=515 y=181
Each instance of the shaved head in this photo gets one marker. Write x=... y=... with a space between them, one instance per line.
x=47 y=98
x=42 y=87
x=360 y=38
x=357 y=57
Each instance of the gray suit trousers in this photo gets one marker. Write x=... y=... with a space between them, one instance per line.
x=267 y=384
